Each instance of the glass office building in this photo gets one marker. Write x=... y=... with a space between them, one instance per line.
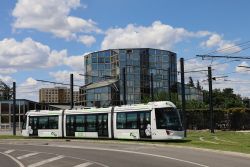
x=105 y=76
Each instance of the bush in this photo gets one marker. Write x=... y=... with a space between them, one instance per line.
x=229 y=119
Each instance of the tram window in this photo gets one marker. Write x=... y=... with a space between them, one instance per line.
x=91 y=123
x=80 y=123
x=131 y=121
x=53 y=122
x=167 y=118
x=43 y=123
x=148 y=117
x=121 y=120
x=127 y=120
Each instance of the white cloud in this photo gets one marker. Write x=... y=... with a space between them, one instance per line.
x=158 y=35
x=29 y=89
x=52 y=16
x=87 y=40
x=64 y=77
x=242 y=69
x=25 y=54
x=30 y=81
x=7 y=70
x=239 y=85
x=197 y=65
x=75 y=62
x=213 y=40
x=29 y=54
x=223 y=46
x=57 y=58
x=162 y=36
x=7 y=79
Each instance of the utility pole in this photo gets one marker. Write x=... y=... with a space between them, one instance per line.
x=169 y=84
x=152 y=87
x=71 y=91
x=183 y=99
x=124 y=86
x=211 y=100
x=14 y=108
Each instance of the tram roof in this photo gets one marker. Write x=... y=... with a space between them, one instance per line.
x=132 y=107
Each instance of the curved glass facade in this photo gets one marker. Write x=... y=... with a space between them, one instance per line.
x=139 y=63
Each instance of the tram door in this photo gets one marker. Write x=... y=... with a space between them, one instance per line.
x=33 y=124
x=70 y=125
x=102 y=124
x=145 y=125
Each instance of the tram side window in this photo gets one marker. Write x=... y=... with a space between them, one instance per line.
x=121 y=120
x=53 y=122
x=127 y=121
x=131 y=121
x=43 y=123
x=80 y=123
x=91 y=123
x=48 y=122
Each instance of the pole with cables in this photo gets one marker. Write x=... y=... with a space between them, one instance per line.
x=14 y=108
x=71 y=91
x=183 y=99
x=211 y=100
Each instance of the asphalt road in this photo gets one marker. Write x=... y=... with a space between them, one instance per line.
x=5 y=160
x=83 y=153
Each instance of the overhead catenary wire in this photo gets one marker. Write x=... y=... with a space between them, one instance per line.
x=59 y=83
x=230 y=47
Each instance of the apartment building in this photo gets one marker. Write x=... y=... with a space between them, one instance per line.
x=57 y=95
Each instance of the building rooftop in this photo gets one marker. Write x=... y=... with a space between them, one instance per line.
x=127 y=49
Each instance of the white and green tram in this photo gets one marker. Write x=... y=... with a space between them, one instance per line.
x=154 y=120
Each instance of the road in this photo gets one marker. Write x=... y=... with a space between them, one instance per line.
x=83 y=153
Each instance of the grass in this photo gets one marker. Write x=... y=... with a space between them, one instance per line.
x=220 y=140
x=11 y=137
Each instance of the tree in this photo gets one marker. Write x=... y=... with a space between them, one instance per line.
x=198 y=86
x=191 y=82
x=5 y=91
x=224 y=99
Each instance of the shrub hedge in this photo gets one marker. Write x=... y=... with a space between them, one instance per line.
x=224 y=119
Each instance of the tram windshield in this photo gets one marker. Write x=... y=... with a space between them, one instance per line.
x=168 y=118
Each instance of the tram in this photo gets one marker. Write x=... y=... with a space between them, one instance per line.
x=152 y=121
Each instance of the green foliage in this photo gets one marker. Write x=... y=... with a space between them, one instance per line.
x=146 y=99
x=5 y=91
x=161 y=96
x=198 y=86
x=190 y=82
x=194 y=104
x=224 y=99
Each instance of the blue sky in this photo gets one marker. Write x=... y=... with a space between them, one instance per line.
x=47 y=39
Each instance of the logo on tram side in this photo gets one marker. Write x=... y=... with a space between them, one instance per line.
x=54 y=134
x=132 y=134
